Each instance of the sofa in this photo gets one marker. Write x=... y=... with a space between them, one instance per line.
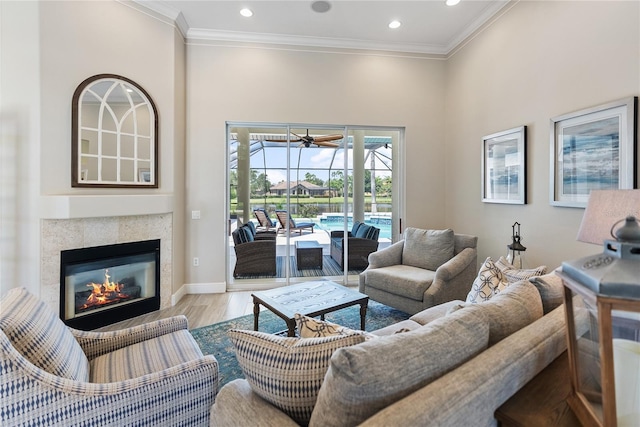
x=424 y=269
x=50 y=374
x=449 y=365
x=362 y=240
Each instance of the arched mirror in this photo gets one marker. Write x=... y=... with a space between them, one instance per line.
x=115 y=134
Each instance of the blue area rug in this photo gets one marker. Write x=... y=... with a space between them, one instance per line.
x=213 y=339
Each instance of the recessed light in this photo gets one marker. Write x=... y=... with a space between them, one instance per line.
x=394 y=24
x=321 y=6
x=451 y=2
x=246 y=12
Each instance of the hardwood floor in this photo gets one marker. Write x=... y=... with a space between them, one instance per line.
x=200 y=309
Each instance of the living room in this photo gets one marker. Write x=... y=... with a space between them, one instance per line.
x=531 y=62
x=534 y=61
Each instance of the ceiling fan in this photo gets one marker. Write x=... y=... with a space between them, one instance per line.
x=307 y=140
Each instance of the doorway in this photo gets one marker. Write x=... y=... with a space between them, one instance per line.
x=312 y=182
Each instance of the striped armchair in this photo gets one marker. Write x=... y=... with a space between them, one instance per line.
x=153 y=374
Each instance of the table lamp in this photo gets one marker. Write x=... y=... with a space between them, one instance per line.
x=602 y=305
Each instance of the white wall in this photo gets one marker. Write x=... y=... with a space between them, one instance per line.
x=255 y=84
x=538 y=61
x=19 y=145
x=43 y=62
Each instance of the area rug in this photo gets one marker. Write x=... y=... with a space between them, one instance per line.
x=213 y=339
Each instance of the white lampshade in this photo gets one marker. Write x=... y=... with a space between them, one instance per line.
x=604 y=209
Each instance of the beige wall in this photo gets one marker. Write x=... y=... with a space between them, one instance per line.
x=538 y=61
x=64 y=43
x=297 y=86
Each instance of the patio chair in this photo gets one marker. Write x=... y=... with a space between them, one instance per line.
x=265 y=222
x=283 y=216
x=253 y=257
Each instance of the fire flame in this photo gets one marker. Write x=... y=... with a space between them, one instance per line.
x=103 y=293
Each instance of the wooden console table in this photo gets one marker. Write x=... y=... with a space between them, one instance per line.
x=542 y=401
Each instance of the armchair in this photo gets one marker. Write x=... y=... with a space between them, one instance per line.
x=51 y=374
x=253 y=255
x=426 y=268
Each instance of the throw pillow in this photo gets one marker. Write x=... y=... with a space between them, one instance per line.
x=366 y=378
x=514 y=308
x=513 y=274
x=427 y=249
x=367 y=232
x=287 y=372
x=245 y=234
x=490 y=282
x=308 y=327
x=551 y=290
x=354 y=229
x=41 y=337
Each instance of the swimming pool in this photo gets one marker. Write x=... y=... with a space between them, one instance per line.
x=336 y=222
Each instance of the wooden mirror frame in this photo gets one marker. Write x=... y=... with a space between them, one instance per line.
x=143 y=171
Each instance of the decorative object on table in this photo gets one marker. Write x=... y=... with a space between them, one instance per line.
x=602 y=299
x=504 y=172
x=516 y=250
x=593 y=149
x=114 y=134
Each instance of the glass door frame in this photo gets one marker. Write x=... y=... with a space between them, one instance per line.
x=398 y=197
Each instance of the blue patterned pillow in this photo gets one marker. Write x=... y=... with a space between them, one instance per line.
x=245 y=235
x=287 y=372
x=252 y=228
x=41 y=337
x=367 y=232
x=356 y=226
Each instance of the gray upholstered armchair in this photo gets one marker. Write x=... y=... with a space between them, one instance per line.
x=50 y=374
x=426 y=268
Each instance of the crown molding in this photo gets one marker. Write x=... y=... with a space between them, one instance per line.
x=174 y=17
x=198 y=34
x=482 y=21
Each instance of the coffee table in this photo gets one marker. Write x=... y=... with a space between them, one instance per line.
x=308 y=254
x=308 y=298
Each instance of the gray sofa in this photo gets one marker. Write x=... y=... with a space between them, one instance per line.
x=414 y=374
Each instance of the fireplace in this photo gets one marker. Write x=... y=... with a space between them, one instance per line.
x=106 y=284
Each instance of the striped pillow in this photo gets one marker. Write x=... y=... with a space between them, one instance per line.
x=287 y=372
x=41 y=337
x=514 y=275
x=245 y=235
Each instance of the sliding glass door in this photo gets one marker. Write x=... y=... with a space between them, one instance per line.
x=301 y=186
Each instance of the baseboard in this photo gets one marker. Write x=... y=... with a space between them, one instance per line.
x=198 y=288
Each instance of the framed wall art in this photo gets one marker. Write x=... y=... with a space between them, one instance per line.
x=504 y=167
x=593 y=149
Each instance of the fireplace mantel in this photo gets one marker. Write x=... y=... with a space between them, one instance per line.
x=94 y=206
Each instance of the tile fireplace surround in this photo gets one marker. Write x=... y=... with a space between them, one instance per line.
x=72 y=233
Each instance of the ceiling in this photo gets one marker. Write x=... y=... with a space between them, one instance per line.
x=428 y=26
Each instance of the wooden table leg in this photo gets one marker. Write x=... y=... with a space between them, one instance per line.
x=256 y=313
x=363 y=313
x=291 y=328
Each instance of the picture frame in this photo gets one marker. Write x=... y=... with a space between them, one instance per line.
x=593 y=149
x=144 y=175
x=504 y=167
